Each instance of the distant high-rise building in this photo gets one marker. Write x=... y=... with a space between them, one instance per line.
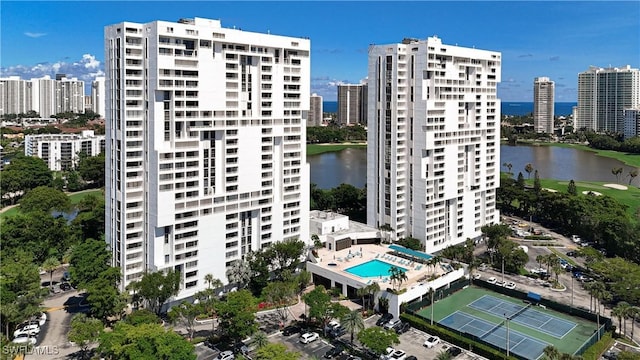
x=69 y=95
x=97 y=95
x=352 y=104
x=15 y=95
x=543 y=105
x=631 y=123
x=44 y=96
x=315 y=111
x=603 y=94
x=433 y=152
x=206 y=157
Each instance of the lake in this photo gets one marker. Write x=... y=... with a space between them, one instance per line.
x=349 y=166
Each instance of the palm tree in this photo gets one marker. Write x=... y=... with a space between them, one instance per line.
x=632 y=175
x=260 y=339
x=212 y=282
x=50 y=265
x=621 y=311
x=361 y=293
x=372 y=290
x=557 y=269
x=397 y=276
x=634 y=313
x=551 y=353
x=443 y=355
x=617 y=171
x=528 y=168
x=600 y=293
x=353 y=322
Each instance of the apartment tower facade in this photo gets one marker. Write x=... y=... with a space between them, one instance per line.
x=543 y=105
x=315 y=110
x=205 y=153
x=352 y=104
x=603 y=94
x=433 y=140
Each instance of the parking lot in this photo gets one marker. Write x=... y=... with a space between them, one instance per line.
x=411 y=342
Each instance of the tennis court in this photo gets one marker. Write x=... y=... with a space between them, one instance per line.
x=496 y=334
x=525 y=315
x=481 y=313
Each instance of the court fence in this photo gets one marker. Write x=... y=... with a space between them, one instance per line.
x=478 y=345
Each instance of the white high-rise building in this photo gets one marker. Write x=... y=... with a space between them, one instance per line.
x=433 y=151
x=206 y=157
x=603 y=94
x=69 y=95
x=352 y=104
x=15 y=95
x=315 y=111
x=97 y=95
x=543 y=105
x=44 y=96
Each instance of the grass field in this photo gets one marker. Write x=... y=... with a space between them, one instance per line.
x=74 y=197
x=570 y=342
x=315 y=149
x=629 y=197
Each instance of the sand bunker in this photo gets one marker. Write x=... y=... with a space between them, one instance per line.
x=616 y=186
x=549 y=190
x=591 y=193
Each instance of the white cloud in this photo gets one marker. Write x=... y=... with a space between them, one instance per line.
x=34 y=34
x=87 y=69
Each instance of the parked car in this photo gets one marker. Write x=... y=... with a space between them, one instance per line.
x=333 y=352
x=510 y=285
x=403 y=328
x=384 y=319
x=291 y=329
x=392 y=324
x=30 y=330
x=454 y=351
x=336 y=332
x=309 y=337
x=431 y=341
x=492 y=280
x=65 y=286
x=42 y=318
x=572 y=253
x=476 y=276
x=226 y=355
x=411 y=357
x=397 y=355
x=24 y=339
x=500 y=283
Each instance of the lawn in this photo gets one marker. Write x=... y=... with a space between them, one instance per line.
x=315 y=149
x=629 y=197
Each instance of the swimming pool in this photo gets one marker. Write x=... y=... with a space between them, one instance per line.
x=372 y=268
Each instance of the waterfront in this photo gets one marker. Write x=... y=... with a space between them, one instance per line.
x=350 y=165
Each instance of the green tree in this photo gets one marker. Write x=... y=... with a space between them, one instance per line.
x=536 y=182
x=617 y=171
x=89 y=259
x=353 y=323
x=89 y=222
x=280 y=294
x=259 y=271
x=237 y=315
x=528 y=168
x=104 y=298
x=185 y=314
x=50 y=265
x=276 y=352
x=145 y=341
x=520 y=181
x=260 y=339
x=621 y=310
x=284 y=255
x=397 y=276
x=443 y=355
x=372 y=290
x=302 y=280
x=572 y=189
x=157 y=287
x=321 y=307
x=92 y=169
x=495 y=235
x=45 y=199
x=632 y=175
x=378 y=339
x=142 y=316
x=23 y=174
x=239 y=273
x=411 y=243
x=36 y=232
x=84 y=332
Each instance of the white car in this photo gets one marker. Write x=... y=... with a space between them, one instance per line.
x=500 y=283
x=42 y=318
x=226 y=355
x=476 y=276
x=397 y=355
x=492 y=280
x=24 y=339
x=391 y=324
x=510 y=285
x=30 y=330
x=309 y=337
x=431 y=341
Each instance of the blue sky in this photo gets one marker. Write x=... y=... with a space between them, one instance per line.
x=557 y=39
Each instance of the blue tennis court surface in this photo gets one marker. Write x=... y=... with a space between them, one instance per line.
x=524 y=315
x=496 y=334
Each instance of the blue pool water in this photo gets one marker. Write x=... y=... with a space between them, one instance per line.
x=372 y=268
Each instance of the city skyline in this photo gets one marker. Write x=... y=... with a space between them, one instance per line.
x=556 y=40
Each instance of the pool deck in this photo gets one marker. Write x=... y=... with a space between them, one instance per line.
x=337 y=261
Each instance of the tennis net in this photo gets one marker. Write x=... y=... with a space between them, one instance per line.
x=492 y=329
x=520 y=311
